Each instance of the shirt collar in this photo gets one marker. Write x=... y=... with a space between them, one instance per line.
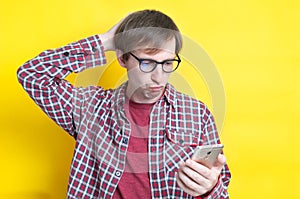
x=120 y=96
x=169 y=94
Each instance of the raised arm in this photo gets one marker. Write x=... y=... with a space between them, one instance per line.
x=43 y=77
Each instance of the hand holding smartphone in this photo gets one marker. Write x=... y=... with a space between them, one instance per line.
x=207 y=154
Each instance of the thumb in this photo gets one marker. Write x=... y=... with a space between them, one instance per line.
x=221 y=161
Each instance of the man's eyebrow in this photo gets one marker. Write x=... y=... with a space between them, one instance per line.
x=171 y=58
x=168 y=59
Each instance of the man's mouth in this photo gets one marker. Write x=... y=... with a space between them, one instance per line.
x=156 y=88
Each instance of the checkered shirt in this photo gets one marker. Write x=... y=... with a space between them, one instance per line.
x=96 y=119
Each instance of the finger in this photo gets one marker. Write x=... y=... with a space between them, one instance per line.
x=187 y=179
x=108 y=37
x=204 y=176
x=181 y=164
x=219 y=164
x=196 y=171
x=185 y=187
x=115 y=27
x=200 y=169
x=222 y=159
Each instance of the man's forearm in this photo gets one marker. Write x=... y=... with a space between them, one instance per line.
x=43 y=77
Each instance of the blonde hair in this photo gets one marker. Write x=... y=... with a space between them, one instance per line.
x=146 y=29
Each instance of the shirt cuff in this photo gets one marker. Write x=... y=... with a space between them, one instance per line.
x=214 y=193
x=93 y=51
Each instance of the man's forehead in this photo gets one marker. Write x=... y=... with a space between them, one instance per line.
x=166 y=46
x=152 y=51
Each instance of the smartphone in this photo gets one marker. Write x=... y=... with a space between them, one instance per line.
x=207 y=154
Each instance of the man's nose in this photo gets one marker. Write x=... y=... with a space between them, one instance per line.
x=158 y=73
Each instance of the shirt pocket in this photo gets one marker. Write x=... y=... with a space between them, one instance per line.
x=179 y=146
x=181 y=138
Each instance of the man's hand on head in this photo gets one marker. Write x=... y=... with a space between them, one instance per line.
x=107 y=38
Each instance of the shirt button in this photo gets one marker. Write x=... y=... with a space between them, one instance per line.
x=66 y=54
x=118 y=173
x=94 y=49
x=125 y=140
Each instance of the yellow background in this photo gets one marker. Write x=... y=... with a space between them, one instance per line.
x=254 y=44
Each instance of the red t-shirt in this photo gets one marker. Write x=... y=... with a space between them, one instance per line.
x=134 y=182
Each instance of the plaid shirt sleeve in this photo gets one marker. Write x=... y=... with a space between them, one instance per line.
x=43 y=77
x=93 y=176
x=210 y=136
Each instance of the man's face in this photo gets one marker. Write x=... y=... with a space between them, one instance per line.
x=148 y=87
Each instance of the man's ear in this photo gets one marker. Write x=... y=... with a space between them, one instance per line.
x=120 y=58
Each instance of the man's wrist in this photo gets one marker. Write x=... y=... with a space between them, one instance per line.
x=107 y=41
x=207 y=194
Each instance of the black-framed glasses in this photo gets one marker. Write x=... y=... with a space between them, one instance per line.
x=149 y=65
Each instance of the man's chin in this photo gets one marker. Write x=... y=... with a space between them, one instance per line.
x=153 y=95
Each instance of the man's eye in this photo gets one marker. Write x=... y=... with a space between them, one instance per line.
x=147 y=63
x=169 y=63
x=144 y=64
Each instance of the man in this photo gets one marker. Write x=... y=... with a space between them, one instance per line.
x=135 y=141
